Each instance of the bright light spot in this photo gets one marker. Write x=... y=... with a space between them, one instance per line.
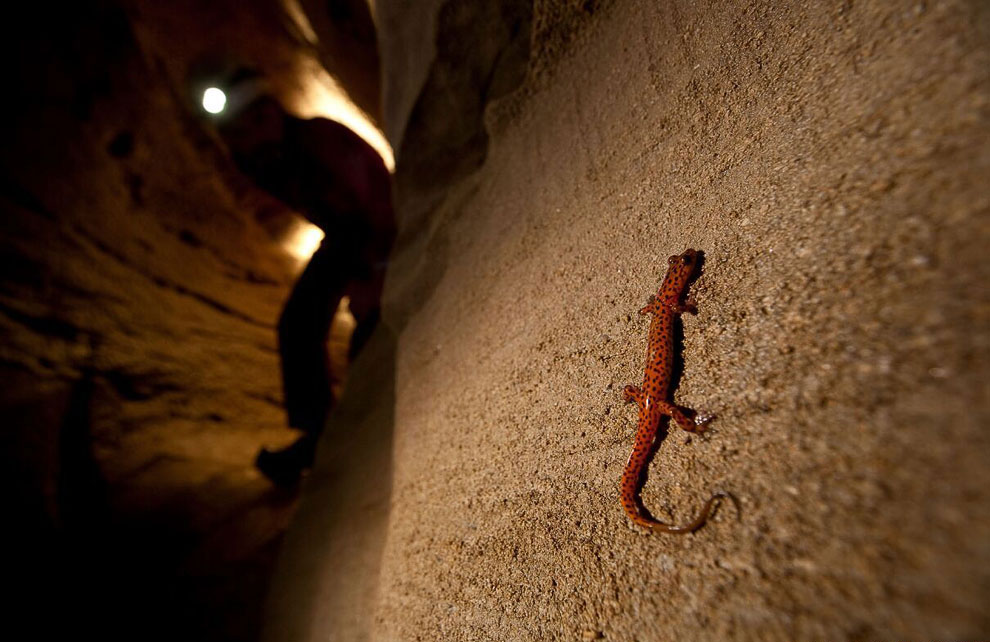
x=214 y=100
x=302 y=240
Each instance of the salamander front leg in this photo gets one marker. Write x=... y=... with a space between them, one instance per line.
x=651 y=305
x=632 y=393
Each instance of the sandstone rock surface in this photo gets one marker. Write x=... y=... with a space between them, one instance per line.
x=830 y=160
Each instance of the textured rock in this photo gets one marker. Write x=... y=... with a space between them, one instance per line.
x=830 y=161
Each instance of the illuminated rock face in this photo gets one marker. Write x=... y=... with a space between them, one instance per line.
x=831 y=162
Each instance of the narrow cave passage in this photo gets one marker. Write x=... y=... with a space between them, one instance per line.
x=828 y=159
x=143 y=278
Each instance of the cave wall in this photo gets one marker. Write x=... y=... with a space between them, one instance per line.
x=829 y=159
x=141 y=286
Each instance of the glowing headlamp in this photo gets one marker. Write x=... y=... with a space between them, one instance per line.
x=214 y=100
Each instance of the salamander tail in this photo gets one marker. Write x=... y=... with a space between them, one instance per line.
x=703 y=515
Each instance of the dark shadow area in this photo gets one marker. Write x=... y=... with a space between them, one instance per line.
x=139 y=301
x=482 y=55
x=328 y=570
x=482 y=52
x=33 y=559
x=80 y=561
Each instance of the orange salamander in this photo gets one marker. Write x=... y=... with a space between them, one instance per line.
x=653 y=398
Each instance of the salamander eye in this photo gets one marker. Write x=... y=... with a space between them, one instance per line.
x=688 y=259
x=673 y=259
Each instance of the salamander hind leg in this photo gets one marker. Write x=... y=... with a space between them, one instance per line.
x=682 y=418
x=690 y=306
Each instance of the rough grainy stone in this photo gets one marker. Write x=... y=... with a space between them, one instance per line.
x=830 y=160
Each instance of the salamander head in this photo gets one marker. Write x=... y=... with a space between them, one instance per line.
x=682 y=267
